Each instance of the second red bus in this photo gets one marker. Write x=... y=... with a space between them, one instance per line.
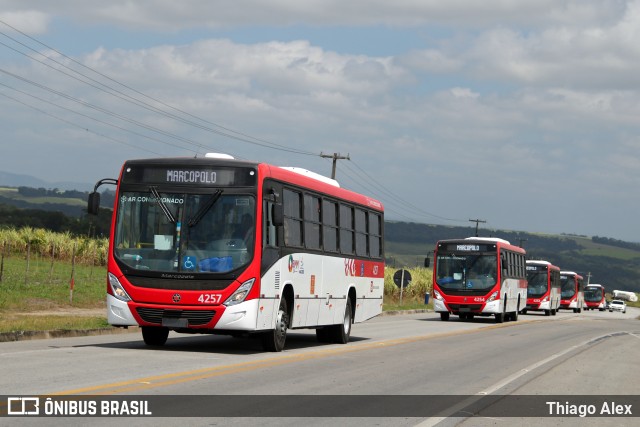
x=543 y=292
x=479 y=277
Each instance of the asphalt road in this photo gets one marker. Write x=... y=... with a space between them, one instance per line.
x=394 y=365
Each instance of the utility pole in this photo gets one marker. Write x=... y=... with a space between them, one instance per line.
x=335 y=157
x=477 y=221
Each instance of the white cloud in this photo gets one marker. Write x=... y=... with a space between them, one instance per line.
x=31 y=22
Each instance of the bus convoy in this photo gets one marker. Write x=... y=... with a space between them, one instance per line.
x=215 y=245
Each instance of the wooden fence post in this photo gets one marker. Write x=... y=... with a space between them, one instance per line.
x=53 y=255
x=4 y=246
x=73 y=273
x=26 y=273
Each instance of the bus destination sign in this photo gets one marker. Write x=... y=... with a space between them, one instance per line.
x=468 y=247
x=176 y=175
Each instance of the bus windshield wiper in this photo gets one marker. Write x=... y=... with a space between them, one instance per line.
x=160 y=203
x=204 y=209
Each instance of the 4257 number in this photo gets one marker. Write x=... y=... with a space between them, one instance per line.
x=210 y=298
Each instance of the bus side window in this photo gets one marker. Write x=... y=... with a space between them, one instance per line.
x=270 y=231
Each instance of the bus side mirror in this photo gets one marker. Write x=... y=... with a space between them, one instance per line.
x=426 y=262
x=93 y=204
x=278 y=215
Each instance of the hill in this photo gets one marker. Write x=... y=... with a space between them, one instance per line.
x=611 y=262
x=19 y=180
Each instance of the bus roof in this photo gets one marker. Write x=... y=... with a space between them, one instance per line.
x=538 y=261
x=489 y=239
x=571 y=273
x=543 y=262
x=310 y=180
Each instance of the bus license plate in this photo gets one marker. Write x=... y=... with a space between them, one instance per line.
x=174 y=322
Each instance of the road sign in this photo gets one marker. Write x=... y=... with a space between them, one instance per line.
x=402 y=278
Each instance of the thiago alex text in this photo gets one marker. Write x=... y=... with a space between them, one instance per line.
x=77 y=407
x=607 y=408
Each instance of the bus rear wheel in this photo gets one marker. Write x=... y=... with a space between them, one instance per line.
x=153 y=335
x=274 y=339
x=340 y=333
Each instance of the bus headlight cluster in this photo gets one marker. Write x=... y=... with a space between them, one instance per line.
x=493 y=296
x=437 y=295
x=240 y=294
x=118 y=290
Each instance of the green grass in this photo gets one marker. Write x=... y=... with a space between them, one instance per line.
x=43 y=288
x=15 y=322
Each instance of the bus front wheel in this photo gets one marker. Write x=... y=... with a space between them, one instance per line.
x=153 y=335
x=274 y=339
x=444 y=316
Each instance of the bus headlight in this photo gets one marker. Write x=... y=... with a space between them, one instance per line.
x=240 y=294
x=493 y=296
x=437 y=295
x=545 y=299
x=117 y=289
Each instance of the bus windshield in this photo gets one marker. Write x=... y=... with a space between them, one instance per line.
x=471 y=272
x=568 y=287
x=593 y=294
x=538 y=283
x=210 y=232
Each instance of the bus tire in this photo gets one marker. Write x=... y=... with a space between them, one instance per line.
x=444 y=316
x=514 y=316
x=501 y=317
x=323 y=335
x=340 y=334
x=524 y=311
x=154 y=335
x=274 y=339
x=547 y=312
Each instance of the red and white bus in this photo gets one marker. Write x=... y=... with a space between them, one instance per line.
x=217 y=245
x=594 y=297
x=479 y=276
x=543 y=292
x=572 y=291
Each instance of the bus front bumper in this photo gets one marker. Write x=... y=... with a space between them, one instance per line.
x=240 y=317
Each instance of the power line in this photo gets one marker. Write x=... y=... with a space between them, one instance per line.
x=225 y=132
x=77 y=125
x=127 y=98
x=393 y=196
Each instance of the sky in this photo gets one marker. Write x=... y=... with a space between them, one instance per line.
x=524 y=114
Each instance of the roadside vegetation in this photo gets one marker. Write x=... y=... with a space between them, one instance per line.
x=54 y=281
x=51 y=281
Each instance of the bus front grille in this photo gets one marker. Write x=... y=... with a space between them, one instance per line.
x=194 y=317
x=465 y=307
